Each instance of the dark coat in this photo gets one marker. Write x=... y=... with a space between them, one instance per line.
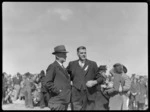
x=102 y=98
x=58 y=79
x=80 y=77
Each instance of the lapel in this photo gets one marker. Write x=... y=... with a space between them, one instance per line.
x=75 y=65
x=61 y=69
x=86 y=67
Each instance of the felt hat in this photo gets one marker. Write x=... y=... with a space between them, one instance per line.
x=60 y=49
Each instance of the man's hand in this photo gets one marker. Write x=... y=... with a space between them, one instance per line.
x=91 y=83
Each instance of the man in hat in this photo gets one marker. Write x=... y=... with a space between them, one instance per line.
x=57 y=81
x=84 y=79
x=101 y=102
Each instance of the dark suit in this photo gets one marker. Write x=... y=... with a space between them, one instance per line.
x=58 y=79
x=83 y=97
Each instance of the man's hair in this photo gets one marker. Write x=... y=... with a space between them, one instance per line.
x=81 y=47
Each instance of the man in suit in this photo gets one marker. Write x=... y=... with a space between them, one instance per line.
x=84 y=79
x=57 y=81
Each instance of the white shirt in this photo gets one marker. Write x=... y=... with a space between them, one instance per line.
x=60 y=64
x=81 y=63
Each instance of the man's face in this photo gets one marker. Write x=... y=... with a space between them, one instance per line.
x=119 y=69
x=62 y=56
x=82 y=54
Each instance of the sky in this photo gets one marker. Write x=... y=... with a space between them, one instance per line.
x=111 y=32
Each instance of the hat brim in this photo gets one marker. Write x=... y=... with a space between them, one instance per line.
x=60 y=52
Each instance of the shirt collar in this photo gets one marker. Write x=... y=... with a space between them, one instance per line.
x=60 y=63
x=80 y=62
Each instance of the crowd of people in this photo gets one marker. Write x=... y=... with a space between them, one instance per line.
x=113 y=91
x=25 y=87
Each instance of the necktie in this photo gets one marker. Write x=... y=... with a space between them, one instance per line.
x=63 y=67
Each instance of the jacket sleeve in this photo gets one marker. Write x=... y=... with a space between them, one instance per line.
x=69 y=70
x=49 y=80
x=100 y=79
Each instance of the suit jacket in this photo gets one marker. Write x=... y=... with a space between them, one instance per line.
x=80 y=77
x=58 y=79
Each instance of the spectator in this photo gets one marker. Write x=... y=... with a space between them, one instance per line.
x=28 y=86
x=37 y=90
x=16 y=81
x=126 y=88
x=141 y=93
x=133 y=93
x=45 y=96
x=22 y=90
x=4 y=78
